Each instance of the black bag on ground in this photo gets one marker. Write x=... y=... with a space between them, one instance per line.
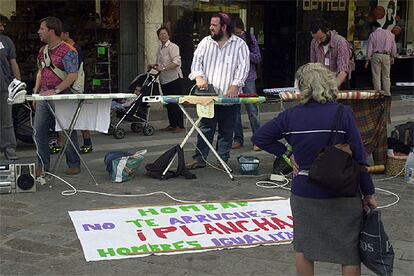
x=375 y=248
x=156 y=169
x=334 y=169
x=404 y=133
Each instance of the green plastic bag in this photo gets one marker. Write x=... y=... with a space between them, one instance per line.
x=124 y=168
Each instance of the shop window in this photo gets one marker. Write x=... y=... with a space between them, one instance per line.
x=90 y=25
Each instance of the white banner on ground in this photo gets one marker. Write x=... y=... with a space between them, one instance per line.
x=142 y=231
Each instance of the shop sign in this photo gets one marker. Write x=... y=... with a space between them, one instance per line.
x=324 y=5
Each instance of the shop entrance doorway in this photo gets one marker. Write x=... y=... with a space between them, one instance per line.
x=275 y=28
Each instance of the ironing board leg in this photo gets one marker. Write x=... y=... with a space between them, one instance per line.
x=181 y=145
x=76 y=115
x=195 y=126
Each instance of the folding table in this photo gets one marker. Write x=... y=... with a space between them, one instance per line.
x=76 y=114
x=205 y=107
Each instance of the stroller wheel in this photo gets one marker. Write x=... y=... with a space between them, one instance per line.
x=148 y=130
x=110 y=130
x=135 y=127
x=119 y=133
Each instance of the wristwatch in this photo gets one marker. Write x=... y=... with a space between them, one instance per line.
x=57 y=90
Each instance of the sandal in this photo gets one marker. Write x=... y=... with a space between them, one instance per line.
x=195 y=165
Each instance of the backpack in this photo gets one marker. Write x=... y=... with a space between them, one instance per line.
x=156 y=169
x=78 y=86
x=404 y=133
x=351 y=50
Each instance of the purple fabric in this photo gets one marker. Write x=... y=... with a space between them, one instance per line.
x=338 y=58
x=307 y=128
x=381 y=41
x=255 y=57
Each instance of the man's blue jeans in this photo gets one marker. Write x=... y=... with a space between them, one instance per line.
x=252 y=112
x=224 y=117
x=43 y=121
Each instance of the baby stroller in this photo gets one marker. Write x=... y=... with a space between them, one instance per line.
x=137 y=112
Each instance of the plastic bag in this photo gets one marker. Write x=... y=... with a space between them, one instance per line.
x=375 y=248
x=122 y=165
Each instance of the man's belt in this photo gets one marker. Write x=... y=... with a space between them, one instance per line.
x=383 y=53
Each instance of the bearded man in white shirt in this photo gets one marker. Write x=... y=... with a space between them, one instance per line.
x=221 y=60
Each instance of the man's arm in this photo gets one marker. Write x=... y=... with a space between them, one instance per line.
x=197 y=66
x=36 y=89
x=369 y=50
x=255 y=56
x=342 y=61
x=393 y=49
x=241 y=72
x=312 y=52
x=15 y=68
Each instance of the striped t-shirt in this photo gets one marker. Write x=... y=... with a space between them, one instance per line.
x=221 y=67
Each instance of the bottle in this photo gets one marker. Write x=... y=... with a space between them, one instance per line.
x=409 y=169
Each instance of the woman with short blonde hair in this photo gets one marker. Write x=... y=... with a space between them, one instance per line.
x=326 y=226
x=316 y=82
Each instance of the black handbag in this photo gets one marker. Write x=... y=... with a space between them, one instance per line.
x=334 y=169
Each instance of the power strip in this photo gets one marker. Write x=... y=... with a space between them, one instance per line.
x=277 y=177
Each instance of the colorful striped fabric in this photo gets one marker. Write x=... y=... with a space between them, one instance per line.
x=60 y=97
x=372 y=117
x=217 y=100
x=350 y=95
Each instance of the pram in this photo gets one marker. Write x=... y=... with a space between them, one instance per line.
x=137 y=112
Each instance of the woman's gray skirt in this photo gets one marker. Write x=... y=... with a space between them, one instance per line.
x=327 y=230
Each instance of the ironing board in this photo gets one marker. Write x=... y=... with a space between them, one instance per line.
x=79 y=99
x=201 y=102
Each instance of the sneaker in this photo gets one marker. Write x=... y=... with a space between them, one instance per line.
x=10 y=154
x=256 y=148
x=236 y=145
x=86 y=149
x=55 y=150
x=195 y=165
x=73 y=171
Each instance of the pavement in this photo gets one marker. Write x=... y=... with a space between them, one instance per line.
x=37 y=236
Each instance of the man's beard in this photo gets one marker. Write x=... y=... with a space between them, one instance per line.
x=327 y=39
x=218 y=36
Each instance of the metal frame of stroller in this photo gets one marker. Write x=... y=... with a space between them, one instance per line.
x=141 y=123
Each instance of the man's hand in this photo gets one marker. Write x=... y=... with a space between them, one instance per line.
x=392 y=60
x=232 y=92
x=151 y=66
x=201 y=83
x=366 y=64
x=49 y=92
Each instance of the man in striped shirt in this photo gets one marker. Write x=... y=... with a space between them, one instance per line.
x=381 y=52
x=222 y=60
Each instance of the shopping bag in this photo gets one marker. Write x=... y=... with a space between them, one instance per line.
x=123 y=165
x=375 y=248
